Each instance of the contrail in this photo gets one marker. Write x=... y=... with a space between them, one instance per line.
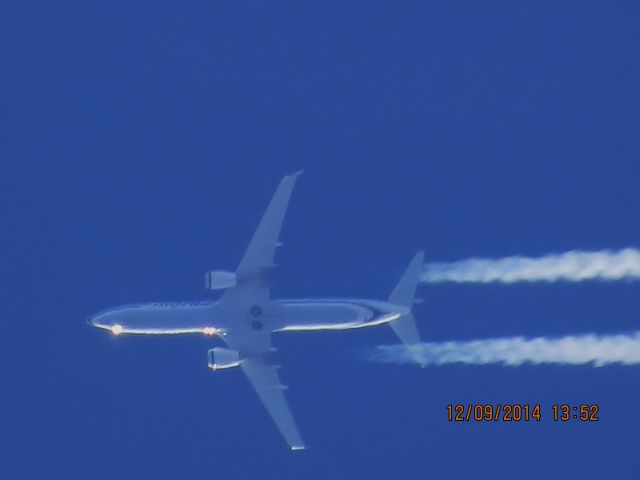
x=573 y=266
x=569 y=350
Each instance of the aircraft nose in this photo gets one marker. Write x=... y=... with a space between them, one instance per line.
x=91 y=320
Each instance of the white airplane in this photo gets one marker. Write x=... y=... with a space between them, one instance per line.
x=245 y=316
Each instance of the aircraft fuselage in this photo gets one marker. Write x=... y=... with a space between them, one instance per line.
x=216 y=318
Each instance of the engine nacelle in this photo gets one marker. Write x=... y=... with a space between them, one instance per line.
x=219 y=280
x=222 y=358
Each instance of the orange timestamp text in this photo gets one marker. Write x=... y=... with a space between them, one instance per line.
x=517 y=412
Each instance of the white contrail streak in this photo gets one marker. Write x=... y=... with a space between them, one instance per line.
x=573 y=266
x=570 y=350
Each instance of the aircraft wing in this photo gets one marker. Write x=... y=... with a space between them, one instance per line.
x=257 y=364
x=264 y=378
x=252 y=273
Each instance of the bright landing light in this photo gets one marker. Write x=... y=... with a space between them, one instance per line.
x=116 y=329
x=209 y=331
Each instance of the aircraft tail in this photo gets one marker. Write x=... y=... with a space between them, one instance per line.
x=403 y=295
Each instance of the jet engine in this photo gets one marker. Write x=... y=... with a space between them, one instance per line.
x=222 y=358
x=219 y=280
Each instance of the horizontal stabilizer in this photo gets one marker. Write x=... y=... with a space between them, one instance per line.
x=403 y=295
x=405 y=291
x=406 y=329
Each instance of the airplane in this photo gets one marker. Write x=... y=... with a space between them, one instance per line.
x=245 y=315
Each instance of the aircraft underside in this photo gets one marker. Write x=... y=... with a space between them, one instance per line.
x=245 y=315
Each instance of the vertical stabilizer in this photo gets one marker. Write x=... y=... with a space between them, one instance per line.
x=403 y=295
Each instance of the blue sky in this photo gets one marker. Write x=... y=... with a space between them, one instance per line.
x=140 y=144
